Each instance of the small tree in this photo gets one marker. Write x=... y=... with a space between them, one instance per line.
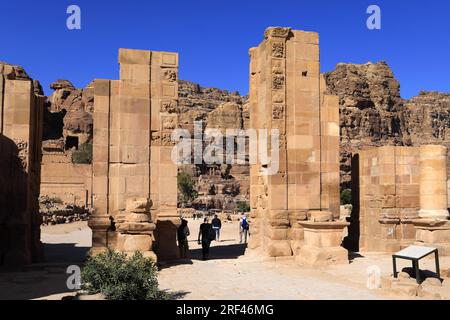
x=346 y=196
x=243 y=206
x=83 y=155
x=121 y=278
x=187 y=192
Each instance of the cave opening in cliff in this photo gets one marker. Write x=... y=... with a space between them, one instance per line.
x=71 y=142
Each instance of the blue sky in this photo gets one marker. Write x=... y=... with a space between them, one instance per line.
x=213 y=37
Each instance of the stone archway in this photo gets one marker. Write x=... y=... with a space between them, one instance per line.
x=293 y=210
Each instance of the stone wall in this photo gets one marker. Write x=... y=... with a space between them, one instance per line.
x=286 y=93
x=71 y=183
x=389 y=197
x=135 y=180
x=21 y=114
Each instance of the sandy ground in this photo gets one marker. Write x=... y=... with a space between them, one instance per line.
x=64 y=245
x=229 y=274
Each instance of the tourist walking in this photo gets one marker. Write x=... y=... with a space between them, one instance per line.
x=183 y=234
x=216 y=225
x=244 y=228
x=206 y=234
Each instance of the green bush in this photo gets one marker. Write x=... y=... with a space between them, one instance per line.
x=83 y=155
x=122 y=278
x=346 y=196
x=243 y=206
x=186 y=188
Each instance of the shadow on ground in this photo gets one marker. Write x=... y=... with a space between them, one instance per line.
x=65 y=253
x=42 y=279
x=218 y=250
x=423 y=274
x=353 y=256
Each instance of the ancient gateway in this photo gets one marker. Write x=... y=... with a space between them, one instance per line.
x=400 y=193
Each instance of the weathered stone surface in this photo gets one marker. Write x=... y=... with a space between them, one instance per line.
x=135 y=179
x=20 y=153
x=389 y=194
x=69 y=114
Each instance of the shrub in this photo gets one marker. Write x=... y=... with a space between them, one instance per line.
x=120 y=277
x=346 y=196
x=186 y=188
x=83 y=155
x=243 y=206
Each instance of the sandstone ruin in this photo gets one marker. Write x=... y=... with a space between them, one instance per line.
x=346 y=128
x=134 y=179
x=21 y=119
x=401 y=199
x=287 y=93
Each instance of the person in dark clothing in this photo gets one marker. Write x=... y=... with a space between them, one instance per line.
x=183 y=234
x=205 y=236
x=216 y=225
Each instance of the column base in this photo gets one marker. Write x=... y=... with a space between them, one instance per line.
x=323 y=244
x=433 y=233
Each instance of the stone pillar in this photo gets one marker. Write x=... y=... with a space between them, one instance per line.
x=287 y=94
x=322 y=245
x=163 y=171
x=433 y=182
x=133 y=122
x=100 y=220
x=433 y=226
x=21 y=118
x=136 y=229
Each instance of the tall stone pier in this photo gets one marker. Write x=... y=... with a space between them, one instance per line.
x=287 y=94
x=433 y=182
x=433 y=225
x=21 y=117
x=134 y=178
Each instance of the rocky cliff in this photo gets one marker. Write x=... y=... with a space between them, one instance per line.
x=218 y=186
x=68 y=118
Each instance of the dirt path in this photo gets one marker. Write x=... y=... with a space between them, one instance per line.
x=229 y=274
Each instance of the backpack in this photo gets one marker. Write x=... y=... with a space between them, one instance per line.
x=245 y=224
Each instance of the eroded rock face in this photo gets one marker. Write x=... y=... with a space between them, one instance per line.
x=371 y=109
x=69 y=114
x=428 y=118
x=218 y=186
